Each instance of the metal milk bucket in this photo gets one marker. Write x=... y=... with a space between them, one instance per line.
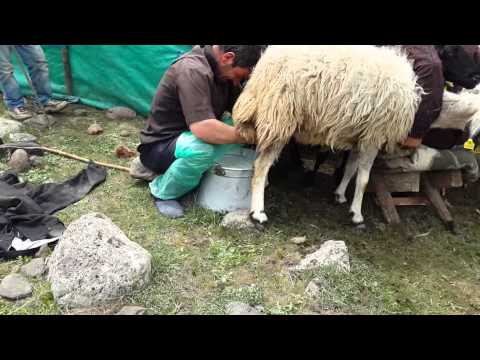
x=226 y=186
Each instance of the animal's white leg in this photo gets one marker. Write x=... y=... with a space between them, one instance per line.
x=365 y=163
x=350 y=170
x=262 y=166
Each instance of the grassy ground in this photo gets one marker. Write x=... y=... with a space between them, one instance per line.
x=198 y=267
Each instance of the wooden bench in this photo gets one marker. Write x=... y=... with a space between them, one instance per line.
x=425 y=189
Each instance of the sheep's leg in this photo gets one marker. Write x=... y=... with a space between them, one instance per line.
x=262 y=165
x=365 y=163
x=350 y=170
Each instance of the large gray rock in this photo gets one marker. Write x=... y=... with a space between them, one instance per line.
x=7 y=127
x=34 y=268
x=21 y=137
x=331 y=253
x=239 y=308
x=95 y=263
x=15 y=287
x=237 y=220
x=19 y=161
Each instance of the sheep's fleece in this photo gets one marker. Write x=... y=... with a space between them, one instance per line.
x=339 y=96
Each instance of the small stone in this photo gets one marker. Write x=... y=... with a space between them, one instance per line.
x=34 y=268
x=90 y=311
x=19 y=161
x=43 y=252
x=80 y=112
x=36 y=161
x=259 y=308
x=120 y=112
x=124 y=133
x=94 y=129
x=124 y=152
x=132 y=310
x=239 y=308
x=82 y=311
x=15 y=287
x=21 y=137
x=237 y=220
x=331 y=253
x=313 y=290
x=298 y=240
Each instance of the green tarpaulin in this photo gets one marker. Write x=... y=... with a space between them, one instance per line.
x=110 y=75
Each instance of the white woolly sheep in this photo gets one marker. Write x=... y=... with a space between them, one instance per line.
x=345 y=97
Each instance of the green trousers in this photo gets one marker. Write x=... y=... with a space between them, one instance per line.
x=193 y=158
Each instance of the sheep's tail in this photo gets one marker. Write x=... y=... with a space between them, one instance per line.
x=244 y=114
x=265 y=110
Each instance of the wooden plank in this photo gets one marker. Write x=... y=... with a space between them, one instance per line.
x=437 y=202
x=410 y=201
x=385 y=201
x=397 y=182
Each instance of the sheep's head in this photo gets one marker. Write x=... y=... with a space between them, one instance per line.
x=459 y=66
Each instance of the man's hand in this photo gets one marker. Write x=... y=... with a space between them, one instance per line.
x=411 y=143
x=213 y=131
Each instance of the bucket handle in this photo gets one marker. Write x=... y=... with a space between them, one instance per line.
x=218 y=170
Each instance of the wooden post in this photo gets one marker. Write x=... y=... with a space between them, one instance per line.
x=67 y=70
x=385 y=200
x=437 y=202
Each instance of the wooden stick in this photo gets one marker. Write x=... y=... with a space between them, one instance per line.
x=75 y=157
x=64 y=154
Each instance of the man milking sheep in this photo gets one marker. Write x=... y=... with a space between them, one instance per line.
x=185 y=132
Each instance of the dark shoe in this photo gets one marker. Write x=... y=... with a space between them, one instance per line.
x=20 y=113
x=54 y=106
x=169 y=208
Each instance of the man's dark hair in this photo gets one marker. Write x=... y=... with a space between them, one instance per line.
x=246 y=56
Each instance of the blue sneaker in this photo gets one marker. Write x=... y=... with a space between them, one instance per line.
x=169 y=208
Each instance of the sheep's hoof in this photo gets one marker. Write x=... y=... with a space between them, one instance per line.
x=340 y=199
x=259 y=217
x=358 y=221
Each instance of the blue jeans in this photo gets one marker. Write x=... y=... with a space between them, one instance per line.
x=34 y=58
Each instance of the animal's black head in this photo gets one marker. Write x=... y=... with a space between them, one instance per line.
x=459 y=67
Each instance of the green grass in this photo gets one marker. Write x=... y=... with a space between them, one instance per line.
x=198 y=267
